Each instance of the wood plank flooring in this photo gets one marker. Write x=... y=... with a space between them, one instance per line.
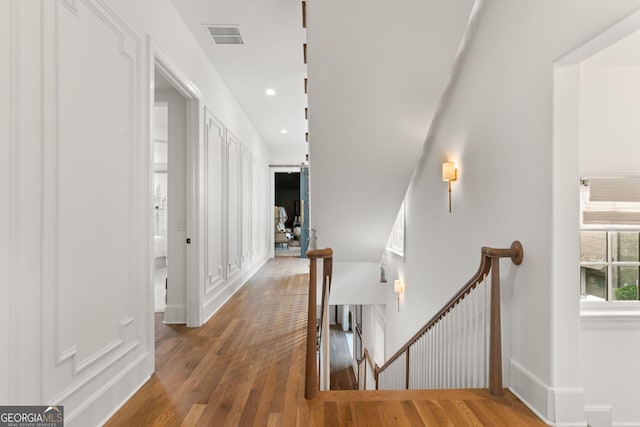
x=342 y=376
x=245 y=367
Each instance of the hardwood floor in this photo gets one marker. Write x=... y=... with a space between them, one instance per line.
x=342 y=376
x=246 y=367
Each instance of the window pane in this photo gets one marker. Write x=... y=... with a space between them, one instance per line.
x=593 y=246
x=624 y=246
x=593 y=282
x=625 y=283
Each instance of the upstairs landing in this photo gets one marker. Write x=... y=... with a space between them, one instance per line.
x=245 y=367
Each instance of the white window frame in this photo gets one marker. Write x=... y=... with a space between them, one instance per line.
x=396 y=242
x=609 y=263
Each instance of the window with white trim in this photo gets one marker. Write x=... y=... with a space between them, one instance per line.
x=609 y=265
x=396 y=238
x=610 y=239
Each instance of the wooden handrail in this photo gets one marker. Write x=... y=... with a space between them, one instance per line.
x=373 y=366
x=490 y=261
x=368 y=359
x=311 y=377
x=320 y=253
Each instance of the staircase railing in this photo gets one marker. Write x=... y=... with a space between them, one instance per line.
x=450 y=350
x=315 y=330
x=367 y=372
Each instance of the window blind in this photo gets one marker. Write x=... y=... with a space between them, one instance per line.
x=611 y=201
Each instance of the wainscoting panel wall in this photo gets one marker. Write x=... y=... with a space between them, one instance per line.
x=256 y=207
x=234 y=149
x=76 y=197
x=240 y=216
x=92 y=222
x=214 y=147
x=246 y=207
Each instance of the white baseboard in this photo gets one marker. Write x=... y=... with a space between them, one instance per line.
x=175 y=314
x=101 y=405
x=561 y=407
x=229 y=288
x=599 y=415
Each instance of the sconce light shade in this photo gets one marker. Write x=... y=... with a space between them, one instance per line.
x=449 y=171
x=397 y=287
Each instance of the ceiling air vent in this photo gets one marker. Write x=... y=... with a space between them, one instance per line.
x=225 y=34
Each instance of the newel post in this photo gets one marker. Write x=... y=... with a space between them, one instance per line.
x=311 y=377
x=495 y=338
x=311 y=368
x=495 y=334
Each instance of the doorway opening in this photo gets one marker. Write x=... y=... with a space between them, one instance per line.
x=174 y=114
x=343 y=369
x=170 y=185
x=160 y=204
x=287 y=212
x=290 y=190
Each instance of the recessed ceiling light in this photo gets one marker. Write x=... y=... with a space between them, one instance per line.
x=283 y=131
x=270 y=92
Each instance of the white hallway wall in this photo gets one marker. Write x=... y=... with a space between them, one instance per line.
x=5 y=193
x=497 y=125
x=78 y=197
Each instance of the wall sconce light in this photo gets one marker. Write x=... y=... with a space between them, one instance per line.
x=449 y=173
x=398 y=288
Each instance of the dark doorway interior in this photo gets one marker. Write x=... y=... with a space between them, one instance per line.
x=288 y=195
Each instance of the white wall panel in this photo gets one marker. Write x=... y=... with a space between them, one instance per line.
x=93 y=201
x=92 y=218
x=5 y=188
x=214 y=191
x=233 y=204
x=266 y=226
x=246 y=207
x=255 y=207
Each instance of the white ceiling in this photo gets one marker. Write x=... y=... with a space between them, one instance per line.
x=271 y=57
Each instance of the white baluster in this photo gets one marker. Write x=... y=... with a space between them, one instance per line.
x=464 y=343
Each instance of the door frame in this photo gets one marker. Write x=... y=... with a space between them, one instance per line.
x=272 y=173
x=194 y=171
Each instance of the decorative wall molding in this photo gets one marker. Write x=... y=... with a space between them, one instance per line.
x=79 y=365
x=125 y=382
x=234 y=200
x=77 y=385
x=214 y=156
x=222 y=293
x=71 y=5
x=255 y=207
x=65 y=373
x=128 y=48
x=245 y=206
